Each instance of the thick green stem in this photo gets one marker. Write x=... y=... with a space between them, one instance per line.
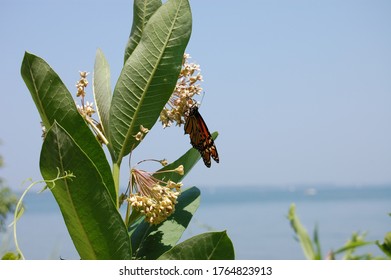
x=116 y=171
x=127 y=213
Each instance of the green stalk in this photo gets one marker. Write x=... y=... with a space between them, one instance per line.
x=116 y=171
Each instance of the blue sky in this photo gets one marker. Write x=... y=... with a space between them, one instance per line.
x=300 y=91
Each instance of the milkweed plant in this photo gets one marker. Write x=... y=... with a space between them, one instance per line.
x=156 y=83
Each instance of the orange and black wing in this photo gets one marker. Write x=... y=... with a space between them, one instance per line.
x=200 y=137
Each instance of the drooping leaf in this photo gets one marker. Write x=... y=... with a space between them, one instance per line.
x=142 y=11
x=150 y=241
x=205 y=246
x=149 y=75
x=92 y=219
x=55 y=103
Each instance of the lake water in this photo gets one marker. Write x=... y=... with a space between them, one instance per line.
x=255 y=220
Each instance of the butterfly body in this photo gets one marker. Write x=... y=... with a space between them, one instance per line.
x=200 y=137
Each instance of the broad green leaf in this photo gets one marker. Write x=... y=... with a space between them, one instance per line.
x=150 y=241
x=142 y=11
x=149 y=75
x=92 y=219
x=206 y=246
x=188 y=160
x=102 y=88
x=301 y=232
x=55 y=103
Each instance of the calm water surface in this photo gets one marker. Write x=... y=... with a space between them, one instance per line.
x=255 y=220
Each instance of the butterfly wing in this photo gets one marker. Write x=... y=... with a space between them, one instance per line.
x=200 y=137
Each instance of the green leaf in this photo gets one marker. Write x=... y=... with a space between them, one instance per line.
x=318 y=248
x=150 y=241
x=386 y=246
x=206 y=246
x=55 y=103
x=301 y=232
x=149 y=75
x=92 y=219
x=102 y=89
x=188 y=160
x=11 y=256
x=142 y=11
x=352 y=244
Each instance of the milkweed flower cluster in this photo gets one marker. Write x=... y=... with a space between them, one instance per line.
x=82 y=84
x=155 y=199
x=181 y=100
x=86 y=109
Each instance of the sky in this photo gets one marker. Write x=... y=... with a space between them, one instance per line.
x=299 y=91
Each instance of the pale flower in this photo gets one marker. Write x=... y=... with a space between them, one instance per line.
x=153 y=198
x=182 y=99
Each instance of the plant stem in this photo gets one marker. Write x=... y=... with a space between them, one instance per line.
x=116 y=172
x=127 y=214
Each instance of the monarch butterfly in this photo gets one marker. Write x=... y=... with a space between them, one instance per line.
x=200 y=137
